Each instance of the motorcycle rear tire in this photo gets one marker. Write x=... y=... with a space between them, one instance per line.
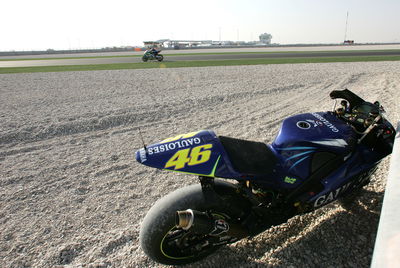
x=160 y=57
x=159 y=224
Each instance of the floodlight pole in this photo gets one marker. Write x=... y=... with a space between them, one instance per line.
x=345 y=32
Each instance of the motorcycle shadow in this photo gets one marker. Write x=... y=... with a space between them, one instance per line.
x=333 y=236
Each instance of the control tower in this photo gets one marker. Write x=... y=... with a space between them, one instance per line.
x=265 y=38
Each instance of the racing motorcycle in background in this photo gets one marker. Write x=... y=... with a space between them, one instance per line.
x=315 y=159
x=151 y=54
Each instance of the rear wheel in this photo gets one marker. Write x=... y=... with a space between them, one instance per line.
x=160 y=57
x=167 y=244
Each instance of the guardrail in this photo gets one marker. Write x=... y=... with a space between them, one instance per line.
x=387 y=243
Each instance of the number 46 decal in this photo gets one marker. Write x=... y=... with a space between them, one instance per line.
x=191 y=156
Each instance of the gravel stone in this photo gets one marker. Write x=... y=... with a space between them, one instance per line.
x=72 y=194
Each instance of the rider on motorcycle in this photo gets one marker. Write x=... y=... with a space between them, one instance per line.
x=152 y=54
x=154 y=51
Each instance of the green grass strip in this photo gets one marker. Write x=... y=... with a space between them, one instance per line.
x=71 y=58
x=182 y=64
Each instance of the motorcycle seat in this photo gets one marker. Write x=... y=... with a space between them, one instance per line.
x=249 y=157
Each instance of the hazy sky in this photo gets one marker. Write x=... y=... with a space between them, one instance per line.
x=65 y=24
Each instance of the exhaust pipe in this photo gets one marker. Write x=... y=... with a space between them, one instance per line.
x=184 y=219
x=195 y=220
x=202 y=223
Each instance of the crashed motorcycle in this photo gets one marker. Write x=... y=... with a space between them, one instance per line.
x=152 y=55
x=315 y=159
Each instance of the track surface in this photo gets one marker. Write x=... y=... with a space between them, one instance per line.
x=183 y=57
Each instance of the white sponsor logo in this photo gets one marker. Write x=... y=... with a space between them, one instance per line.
x=315 y=123
x=331 y=196
x=173 y=145
x=221 y=226
x=142 y=154
x=325 y=122
x=326 y=198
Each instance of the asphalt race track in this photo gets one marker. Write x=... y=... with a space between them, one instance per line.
x=183 y=57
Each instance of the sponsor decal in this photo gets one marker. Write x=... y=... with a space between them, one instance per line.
x=315 y=123
x=180 y=136
x=190 y=156
x=289 y=180
x=333 y=195
x=142 y=154
x=173 y=145
x=325 y=122
x=329 y=197
x=221 y=226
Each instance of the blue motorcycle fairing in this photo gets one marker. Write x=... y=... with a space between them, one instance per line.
x=176 y=154
x=323 y=136
x=199 y=153
x=354 y=172
x=319 y=132
x=323 y=130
